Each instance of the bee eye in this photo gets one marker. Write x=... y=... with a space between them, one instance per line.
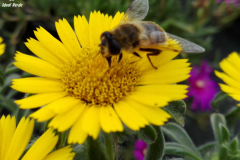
x=114 y=47
x=103 y=43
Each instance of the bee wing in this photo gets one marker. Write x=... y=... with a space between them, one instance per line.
x=137 y=10
x=187 y=47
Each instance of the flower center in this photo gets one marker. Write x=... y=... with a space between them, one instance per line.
x=88 y=77
x=200 y=84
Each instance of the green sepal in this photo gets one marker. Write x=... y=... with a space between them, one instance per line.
x=156 y=149
x=80 y=151
x=176 y=109
x=216 y=120
x=95 y=149
x=179 y=150
x=217 y=99
x=224 y=134
x=178 y=134
x=148 y=134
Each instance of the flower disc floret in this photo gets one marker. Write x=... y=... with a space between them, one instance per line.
x=91 y=80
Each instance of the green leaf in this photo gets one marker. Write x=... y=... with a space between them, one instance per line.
x=155 y=150
x=95 y=150
x=223 y=152
x=234 y=145
x=177 y=133
x=8 y=104
x=224 y=134
x=207 y=147
x=11 y=69
x=80 y=151
x=148 y=134
x=217 y=99
x=179 y=150
x=176 y=109
x=2 y=76
x=216 y=119
x=8 y=82
x=232 y=116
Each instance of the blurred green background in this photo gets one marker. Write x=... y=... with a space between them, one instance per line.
x=215 y=26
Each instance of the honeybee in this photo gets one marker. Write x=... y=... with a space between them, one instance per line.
x=134 y=35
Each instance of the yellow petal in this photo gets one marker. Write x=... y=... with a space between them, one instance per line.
x=20 y=139
x=229 y=89
x=37 y=66
x=165 y=77
x=43 y=114
x=37 y=85
x=68 y=37
x=155 y=116
x=42 y=146
x=173 y=92
x=130 y=117
x=63 y=105
x=7 y=129
x=91 y=122
x=52 y=45
x=39 y=100
x=230 y=70
x=37 y=48
x=64 y=121
x=81 y=28
x=61 y=154
x=77 y=134
x=116 y=20
x=109 y=120
x=149 y=99
x=2 y=48
x=231 y=82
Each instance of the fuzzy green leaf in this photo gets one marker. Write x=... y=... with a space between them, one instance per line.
x=216 y=119
x=80 y=151
x=224 y=134
x=217 y=99
x=178 y=134
x=176 y=109
x=148 y=134
x=155 y=150
x=232 y=116
x=179 y=150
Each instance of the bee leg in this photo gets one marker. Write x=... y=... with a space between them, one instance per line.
x=109 y=59
x=120 y=57
x=136 y=54
x=153 y=53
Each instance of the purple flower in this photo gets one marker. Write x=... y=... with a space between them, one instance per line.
x=201 y=87
x=140 y=149
x=234 y=2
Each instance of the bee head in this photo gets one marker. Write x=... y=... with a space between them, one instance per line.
x=109 y=45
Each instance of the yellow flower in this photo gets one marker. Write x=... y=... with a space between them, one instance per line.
x=13 y=141
x=231 y=75
x=78 y=90
x=2 y=46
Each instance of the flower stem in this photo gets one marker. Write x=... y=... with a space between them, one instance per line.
x=108 y=141
x=116 y=146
